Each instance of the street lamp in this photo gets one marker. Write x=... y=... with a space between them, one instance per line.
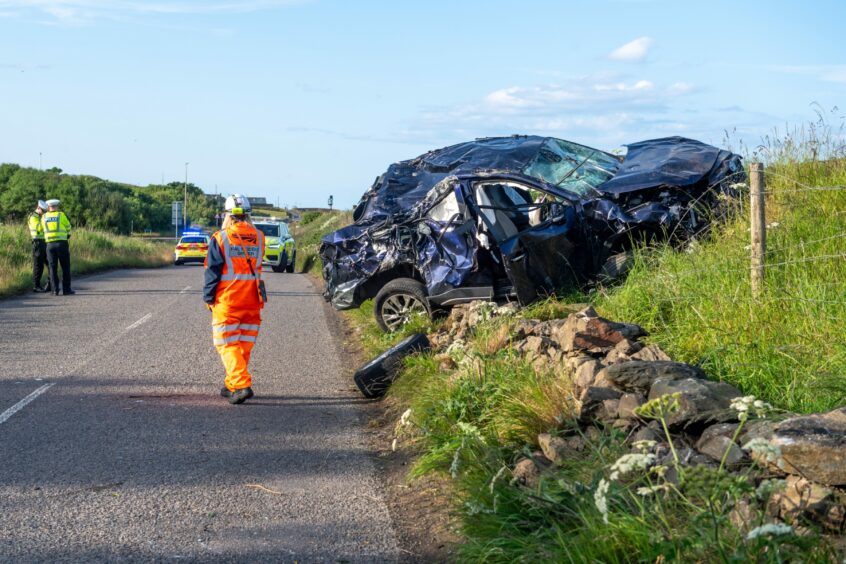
x=185 y=203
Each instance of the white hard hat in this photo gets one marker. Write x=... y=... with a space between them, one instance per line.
x=52 y=203
x=237 y=204
x=42 y=204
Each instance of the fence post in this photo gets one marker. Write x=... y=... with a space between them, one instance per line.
x=758 y=224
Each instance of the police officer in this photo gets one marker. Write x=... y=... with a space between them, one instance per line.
x=57 y=232
x=231 y=292
x=39 y=247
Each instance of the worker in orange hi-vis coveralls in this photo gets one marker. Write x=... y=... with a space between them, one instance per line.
x=232 y=293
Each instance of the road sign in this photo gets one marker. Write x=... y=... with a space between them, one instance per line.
x=331 y=201
x=176 y=213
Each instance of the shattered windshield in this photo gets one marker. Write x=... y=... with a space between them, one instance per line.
x=575 y=168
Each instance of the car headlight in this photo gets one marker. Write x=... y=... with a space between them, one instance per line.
x=273 y=246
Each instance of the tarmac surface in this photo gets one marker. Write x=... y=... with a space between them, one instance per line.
x=116 y=445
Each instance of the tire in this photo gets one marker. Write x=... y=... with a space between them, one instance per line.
x=397 y=300
x=290 y=267
x=277 y=268
x=177 y=263
x=375 y=377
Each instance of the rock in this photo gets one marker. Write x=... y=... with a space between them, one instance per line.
x=610 y=408
x=719 y=430
x=575 y=361
x=528 y=471
x=586 y=374
x=650 y=353
x=757 y=429
x=521 y=329
x=558 y=449
x=743 y=516
x=715 y=446
x=804 y=498
x=586 y=331
x=638 y=375
x=701 y=401
x=648 y=434
x=622 y=351
x=814 y=446
x=591 y=404
x=536 y=345
x=445 y=362
x=628 y=403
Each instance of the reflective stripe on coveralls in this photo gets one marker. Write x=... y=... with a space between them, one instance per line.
x=236 y=316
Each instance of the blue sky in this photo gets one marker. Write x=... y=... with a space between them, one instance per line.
x=297 y=100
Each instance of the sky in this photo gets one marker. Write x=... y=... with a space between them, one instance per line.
x=295 y=100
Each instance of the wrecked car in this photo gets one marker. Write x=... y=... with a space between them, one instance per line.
x=515 y=218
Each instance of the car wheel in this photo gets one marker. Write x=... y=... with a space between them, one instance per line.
x=375 y=377
x=290 y=267
x=281 y=266
x=177 y=263
x=398 y=301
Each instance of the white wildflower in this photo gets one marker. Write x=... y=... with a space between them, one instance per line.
x=600 y=499
x=405 y=417
x=628 y=462
x=750 y=404
x=773 y=225
x=769 y=529
x=762 y=449
x=649 y=490
x=643 y=446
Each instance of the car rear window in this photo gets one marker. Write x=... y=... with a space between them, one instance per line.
x=193 y=240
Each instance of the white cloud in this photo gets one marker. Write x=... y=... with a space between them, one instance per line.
x=633 y=51
x=601 y=109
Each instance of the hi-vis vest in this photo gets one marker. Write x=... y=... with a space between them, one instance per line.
x=36 y=230
x=242 y=246
x=56 y=226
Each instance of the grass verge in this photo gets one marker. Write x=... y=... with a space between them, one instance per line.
x=308 y=235
x=90 y=251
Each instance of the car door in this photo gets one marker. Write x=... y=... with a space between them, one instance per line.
x=537 y=249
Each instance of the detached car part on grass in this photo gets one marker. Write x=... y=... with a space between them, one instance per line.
x=515 y=218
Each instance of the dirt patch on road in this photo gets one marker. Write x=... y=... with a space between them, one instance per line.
x=420 y=509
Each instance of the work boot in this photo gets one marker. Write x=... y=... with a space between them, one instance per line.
x=225 y=393
x=69 y=292
x=38 y=289
x=240 y=396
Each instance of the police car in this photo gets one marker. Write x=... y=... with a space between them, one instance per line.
x=280 y=249
x=192 y=247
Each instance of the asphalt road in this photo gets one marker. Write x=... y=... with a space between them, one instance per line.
x=126 y=451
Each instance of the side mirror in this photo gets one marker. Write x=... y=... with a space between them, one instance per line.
x=557 y=212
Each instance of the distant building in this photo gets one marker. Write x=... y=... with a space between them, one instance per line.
x=258 y=202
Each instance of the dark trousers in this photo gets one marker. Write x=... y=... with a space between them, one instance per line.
x=39 y=261
x=58 y=253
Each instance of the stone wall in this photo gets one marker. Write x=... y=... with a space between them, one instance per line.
x=613 y=373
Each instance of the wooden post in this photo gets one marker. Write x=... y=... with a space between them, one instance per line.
x=758 y=223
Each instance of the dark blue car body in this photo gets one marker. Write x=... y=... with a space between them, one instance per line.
x=520 y=217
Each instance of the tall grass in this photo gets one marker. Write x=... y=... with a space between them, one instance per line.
x=786 y=346
x=90 y=251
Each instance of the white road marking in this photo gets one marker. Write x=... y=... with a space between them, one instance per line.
x=185 y=289
x=21 y=404
x=139 y=322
